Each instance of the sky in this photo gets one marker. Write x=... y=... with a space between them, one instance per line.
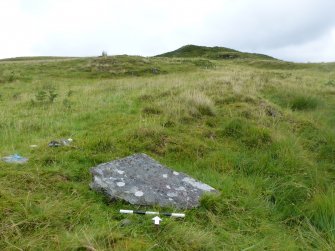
x=292 y=30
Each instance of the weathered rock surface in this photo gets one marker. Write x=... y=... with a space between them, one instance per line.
x=141 y=180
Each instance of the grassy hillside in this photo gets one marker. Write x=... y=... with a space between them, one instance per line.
x=218 y=53
x=261 y=132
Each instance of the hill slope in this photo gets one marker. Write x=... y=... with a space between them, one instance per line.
x=261 y=133
x=212 y=53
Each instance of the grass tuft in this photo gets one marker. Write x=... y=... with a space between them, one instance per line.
x=199 y=103
x=297 y=100
x=151 y=110
x=301 y=103
x=245 y=132
x=322 y=213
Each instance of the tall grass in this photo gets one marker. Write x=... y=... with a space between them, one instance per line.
x=199 y=103
x=262 y=135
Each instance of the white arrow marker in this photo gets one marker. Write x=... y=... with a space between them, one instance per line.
x=157 y=220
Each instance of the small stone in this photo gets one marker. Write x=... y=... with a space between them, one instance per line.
x=61 y=142
x=54 y=143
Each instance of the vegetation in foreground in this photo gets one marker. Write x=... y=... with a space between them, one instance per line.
x=258 y=129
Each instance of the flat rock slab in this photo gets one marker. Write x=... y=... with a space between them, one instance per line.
x=141 y=180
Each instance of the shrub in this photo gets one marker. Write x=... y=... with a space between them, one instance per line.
x=43 y=95
x=52 y=94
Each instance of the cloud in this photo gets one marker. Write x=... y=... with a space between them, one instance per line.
x=291 y=30
x=318 y=50
x=16 y=35
x=273 y=24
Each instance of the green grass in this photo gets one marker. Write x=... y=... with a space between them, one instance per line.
x=262 y=135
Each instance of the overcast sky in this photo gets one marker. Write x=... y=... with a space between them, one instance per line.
x=294 y=30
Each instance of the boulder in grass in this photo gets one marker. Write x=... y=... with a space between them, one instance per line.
x=141 y=180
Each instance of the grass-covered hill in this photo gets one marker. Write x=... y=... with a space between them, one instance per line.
x=189 y=51
x=259 y=130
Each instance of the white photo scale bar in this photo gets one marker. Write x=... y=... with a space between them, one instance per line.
x=179 y=215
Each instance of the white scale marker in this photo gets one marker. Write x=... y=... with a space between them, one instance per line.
x=156 y=219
